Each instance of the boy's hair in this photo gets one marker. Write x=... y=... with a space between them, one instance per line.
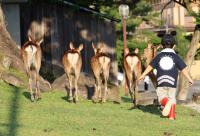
x=168 y=41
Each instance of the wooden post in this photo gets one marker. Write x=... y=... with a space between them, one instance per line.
x=125 y=46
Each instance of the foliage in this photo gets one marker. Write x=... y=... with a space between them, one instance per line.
x=139 y=11
x=53 y=116
x=182 y=42
x=138 y=40
x=197 y=56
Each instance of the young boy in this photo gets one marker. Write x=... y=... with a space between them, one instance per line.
x=167 y=63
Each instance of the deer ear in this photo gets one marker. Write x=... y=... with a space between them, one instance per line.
x=136 y=51
x=93 y=45
x=126 y=51
x=80 y=47
x=29 y=38
x=159 y=46
x=71 y=45
x=94 y=48
x=174 y=46
x=40 y=41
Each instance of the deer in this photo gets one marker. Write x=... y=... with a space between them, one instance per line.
x=133 y=69
x=72 y=62
x=149 y=53
x=100 y=64
x=31 y=55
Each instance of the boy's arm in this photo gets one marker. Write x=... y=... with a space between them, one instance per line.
x=147 y=70
x=186 y=74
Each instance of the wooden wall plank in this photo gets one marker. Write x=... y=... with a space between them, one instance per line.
x=63 y=25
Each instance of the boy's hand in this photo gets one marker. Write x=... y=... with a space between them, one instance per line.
x=191 y=82
x=141 y=77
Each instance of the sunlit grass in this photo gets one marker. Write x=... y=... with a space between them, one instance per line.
x=54 y=116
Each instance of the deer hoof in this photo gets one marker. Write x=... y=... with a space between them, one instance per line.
x=103 y=101
x=32 y=98
x=75 y=100
x=94 y=100
x=70 y=99
x=36 y=97
x=135 y=106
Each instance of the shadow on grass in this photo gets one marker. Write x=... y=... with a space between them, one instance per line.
x=14 y=113
x=126 y=99
x=150 y=109
x=153 y=109
x=65 y=98
x=27 y=95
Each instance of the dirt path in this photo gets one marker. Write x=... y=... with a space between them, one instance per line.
x=193 y=106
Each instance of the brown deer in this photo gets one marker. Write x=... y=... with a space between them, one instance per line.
x=72 y=62
x=149 y=53
x=133 y=69
x=100 y=64
x=32 y=54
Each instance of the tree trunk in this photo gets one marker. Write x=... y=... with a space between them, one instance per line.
x=2 y=22
x=183 y=82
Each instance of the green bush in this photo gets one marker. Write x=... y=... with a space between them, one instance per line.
x=182 y=42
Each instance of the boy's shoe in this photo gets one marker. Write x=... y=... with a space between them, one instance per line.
x=172 y=114
x=167 y=109
x=164 y=101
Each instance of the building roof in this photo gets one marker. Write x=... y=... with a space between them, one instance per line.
x=89 y=10
x=67 y=2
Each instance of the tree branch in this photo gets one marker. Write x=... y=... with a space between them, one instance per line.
x=182 y=3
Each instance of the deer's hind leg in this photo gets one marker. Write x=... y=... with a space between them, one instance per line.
x=134 y=88
x=38 y=93
x=76 y=89
x=30 y=83
x=31 y=89
x=130 y=85
x=131 y=92
x=37 y=76
x=70 y=88
x=97 y=89
x=136 y=95
x=106 y=75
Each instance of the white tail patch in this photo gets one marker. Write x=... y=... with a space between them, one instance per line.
x=73 y=59
x=132 y=61
x=104 y=61
x=31 y=50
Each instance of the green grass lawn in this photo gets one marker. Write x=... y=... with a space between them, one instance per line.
x=53 y=116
